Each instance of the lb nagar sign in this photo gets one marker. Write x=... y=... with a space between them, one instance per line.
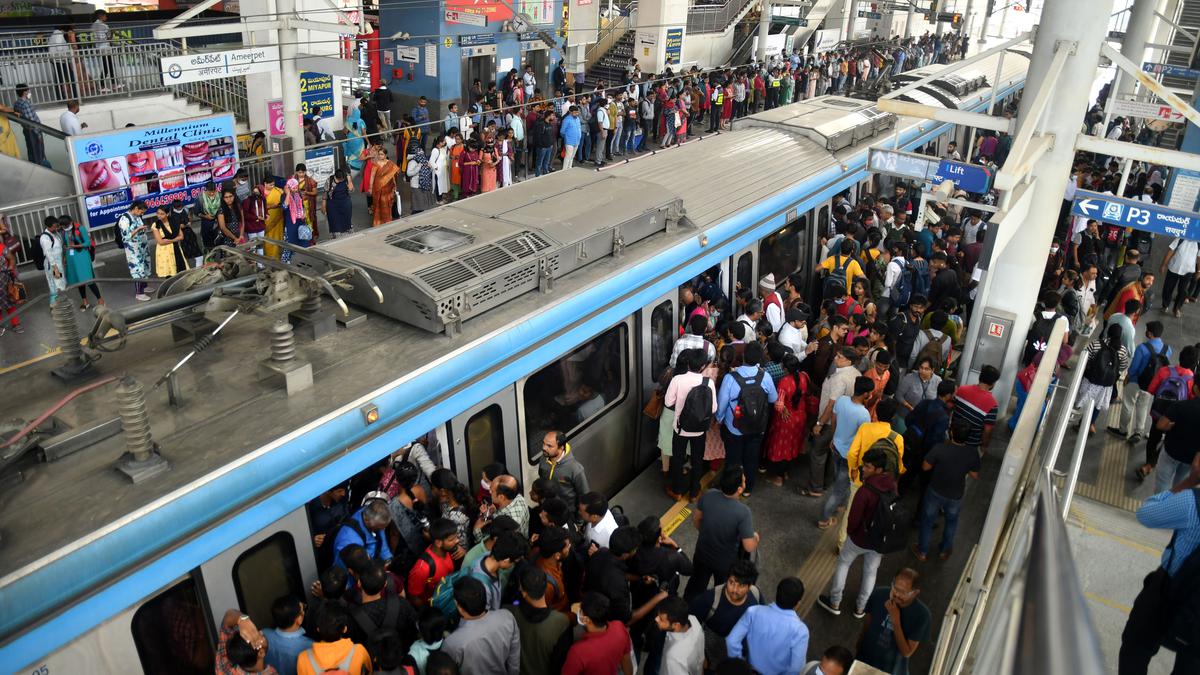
x=210 y=65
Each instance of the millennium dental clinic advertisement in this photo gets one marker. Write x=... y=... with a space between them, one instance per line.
x=156 y=163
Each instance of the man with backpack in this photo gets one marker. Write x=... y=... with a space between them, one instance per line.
x=875 y=524
x=1170 y=385
x=897 y=280
x=1165 y=611
x=693 y=397
x=848 y=415
x=719 y=608
x=903 y=329
x=366 y=527
x=926 y=427
x=545 y=633
x=743 y=409
x=435 y=563
x=841 y=268
x=334 y=650
x=933 y=343
x=509 y=549
x=948 y=465
x=384 y=623
x=1148 y=358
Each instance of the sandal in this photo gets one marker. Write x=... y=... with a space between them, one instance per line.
x=826 y=524
x=807 y=492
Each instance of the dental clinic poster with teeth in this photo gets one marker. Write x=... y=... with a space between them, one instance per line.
x=156 y=163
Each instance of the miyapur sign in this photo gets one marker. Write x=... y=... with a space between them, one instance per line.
x=157 y=164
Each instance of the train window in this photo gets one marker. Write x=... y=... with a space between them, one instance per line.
x=485 y=440
x=577 y=388
x=779 y=252
x=170 y=632
x=662 y=330
x=265 y=572
x=744 y=276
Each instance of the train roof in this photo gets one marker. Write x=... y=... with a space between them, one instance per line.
x=75 y=526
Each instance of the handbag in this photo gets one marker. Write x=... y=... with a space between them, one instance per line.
x=654 y=407
x=17 y=292
x=304 y=232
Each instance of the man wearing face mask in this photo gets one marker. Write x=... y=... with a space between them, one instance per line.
x=241 y=185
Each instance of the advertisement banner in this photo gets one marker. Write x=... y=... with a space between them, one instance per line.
x=157 y=164
x=275 y=117
x=319 y=163
x=494 y=10
x=316 y=91
x=674 y=46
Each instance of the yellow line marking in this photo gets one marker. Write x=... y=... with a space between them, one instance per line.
x=679 y=511
x=818 y=568
x=1128 y=543
x=1124 y=609
x=17 y=366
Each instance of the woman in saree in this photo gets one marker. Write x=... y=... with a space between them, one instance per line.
x=273 y=196
x=470 y=162
x=356 y=131
x=383 y=186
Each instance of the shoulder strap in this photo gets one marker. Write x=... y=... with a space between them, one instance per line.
x=312 y=660
x=364 y=622
x=429 y=561
x=345 y=664
x=718 y=591
x=892 y=436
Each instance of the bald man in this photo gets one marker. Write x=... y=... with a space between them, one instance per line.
x=506 y=495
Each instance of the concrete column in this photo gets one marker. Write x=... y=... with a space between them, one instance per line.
x=968 y=18
x=1015 y=275
x=850 y=9
x=289 y=78
x=1141 y=24
x=764 y=30
x=908 y=24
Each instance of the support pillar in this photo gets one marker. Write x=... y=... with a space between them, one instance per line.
x=1141 y=25
x=1015 y=273
x=850 y=8
x=969 y=19
x=908 y=23
x=289 y=78
x=764 y=30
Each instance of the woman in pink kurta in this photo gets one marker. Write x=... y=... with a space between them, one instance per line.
x=789 y=425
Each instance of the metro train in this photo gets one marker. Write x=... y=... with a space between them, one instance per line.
x=140 y=576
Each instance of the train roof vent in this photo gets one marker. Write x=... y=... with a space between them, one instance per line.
x=426 y=239
x=487 y=258
x=445 y=275
x=524 y=244
x=962 y=83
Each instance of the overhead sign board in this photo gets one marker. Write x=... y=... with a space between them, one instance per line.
x=467 y=18
x=1159 y=111
x=316 y=92
x=790 y=21
x=1136 y=214
x=674 y=46
x=870 y=15
x=969 y=177
x=476 y=40
x=1171 y=71
x=212 y=65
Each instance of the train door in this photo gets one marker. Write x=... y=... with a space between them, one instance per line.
x=783 y=252
x=658 y=324
x=486 y=433
x=586 y=393
x=278 y=560
x=745 y=272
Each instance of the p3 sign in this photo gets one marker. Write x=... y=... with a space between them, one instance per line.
x=1138 y=215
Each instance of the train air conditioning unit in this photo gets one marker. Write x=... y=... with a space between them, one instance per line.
x=443 y=266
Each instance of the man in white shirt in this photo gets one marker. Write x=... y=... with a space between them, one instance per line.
x=529 y=81
x=324 y=127
x=69 y=122
x=593 y=509
x=952 y=152
x=1088 y=276
x=891 y=274
x=794 y=333
x=60 y=53
x=1180 y=263
x=772 y=302
x=102 y=39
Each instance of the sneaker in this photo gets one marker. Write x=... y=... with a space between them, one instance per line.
x=1136 y=438
x=1116 y=432
x=828 y=606
x=141 y=297
x=859 y=613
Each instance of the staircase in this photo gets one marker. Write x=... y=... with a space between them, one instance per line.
x=1189 y=17
x=610 y=67
x=815 y=17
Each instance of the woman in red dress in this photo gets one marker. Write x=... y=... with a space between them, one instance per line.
x=789 y=426
x=727 y=106
x=471 y=159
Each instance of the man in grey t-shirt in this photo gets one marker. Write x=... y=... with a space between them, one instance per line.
x=726 y=528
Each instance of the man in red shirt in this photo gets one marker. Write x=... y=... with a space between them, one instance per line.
x=604 y=648
x=976 y=404
x=435 y=563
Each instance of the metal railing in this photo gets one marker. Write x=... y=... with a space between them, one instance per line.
x=26 y=221
x=609 y=35
x=717 y=18
x=83 y=73
x=86 y=73
x=34 y=142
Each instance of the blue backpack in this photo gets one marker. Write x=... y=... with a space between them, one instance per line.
x=920 y=277
x=903 y=288
x=443 y=596
x=1174 y=388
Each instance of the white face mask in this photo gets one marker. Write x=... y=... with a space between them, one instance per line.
x=1053 y=250
x=579 y=619
x=484 y=484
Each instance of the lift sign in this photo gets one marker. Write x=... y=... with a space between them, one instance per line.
x=1136 y=214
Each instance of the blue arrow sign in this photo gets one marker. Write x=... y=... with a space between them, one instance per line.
x=1138 y=215
x=969 y=177
x=1171 y=71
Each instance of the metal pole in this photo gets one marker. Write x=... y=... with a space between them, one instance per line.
x=1142 y=22
x=289 y=77
x=850 y=7
x=1003 y=18
x=968 y=19
x=908 y=23
x=764 y=30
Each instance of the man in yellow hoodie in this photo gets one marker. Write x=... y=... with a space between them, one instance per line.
x=333 y=650
x=868 y=434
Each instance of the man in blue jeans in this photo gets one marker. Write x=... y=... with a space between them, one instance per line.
x=543 y=142
x=948 y=465
x=743 y=441
x=849 y=414
x=1181 y=422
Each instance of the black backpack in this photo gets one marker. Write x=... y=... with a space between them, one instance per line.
x=1039 y=335
x=696 y=414
x=887 y=532
x=1157 y=360
x=35 y=250
x=1102 y=368
x=838 y=276
x=379 y=635
x=751 y=416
